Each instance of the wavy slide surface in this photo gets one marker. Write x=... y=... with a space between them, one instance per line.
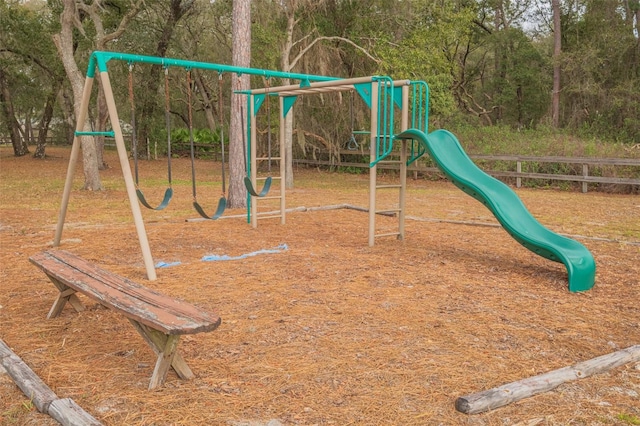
x=507 y=207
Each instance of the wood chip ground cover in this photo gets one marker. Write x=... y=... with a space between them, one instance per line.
x=329 y=331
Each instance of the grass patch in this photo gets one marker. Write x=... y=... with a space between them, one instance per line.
x=629 y=419
x=543 y=141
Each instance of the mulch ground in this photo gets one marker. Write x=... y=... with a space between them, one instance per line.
x=329 y=331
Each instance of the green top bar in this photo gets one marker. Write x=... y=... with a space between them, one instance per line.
x=100 y=59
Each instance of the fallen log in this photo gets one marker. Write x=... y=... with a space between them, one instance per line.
x=35 y=389
x=515 y=391
x=65 y=411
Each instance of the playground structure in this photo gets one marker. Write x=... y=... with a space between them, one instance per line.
x=382 y=95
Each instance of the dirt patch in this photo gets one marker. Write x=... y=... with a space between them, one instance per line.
x=326 y=330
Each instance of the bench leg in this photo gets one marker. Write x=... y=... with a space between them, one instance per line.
x=67 y=294
x=161 y=343
x=165 y=359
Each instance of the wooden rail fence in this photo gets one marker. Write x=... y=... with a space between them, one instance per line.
x=518 y=160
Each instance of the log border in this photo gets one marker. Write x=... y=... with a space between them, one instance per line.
x=65 y=411
x=503 y=395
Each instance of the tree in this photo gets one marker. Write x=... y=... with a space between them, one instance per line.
x=32 y=72
x=241 y=57
x=601 y=69
x=163 y=28
x=557 y=51
x=438 y=43
x=70 y=19
x=19 y=144
x=300 y=38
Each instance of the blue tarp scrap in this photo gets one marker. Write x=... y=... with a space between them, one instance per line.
x=162 y=264
x=215 y=258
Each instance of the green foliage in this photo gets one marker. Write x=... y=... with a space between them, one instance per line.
x=427 y=51
x=601 y=72
x=629 y=419
x=200 y=136
x=482 y=68
x=520 y=88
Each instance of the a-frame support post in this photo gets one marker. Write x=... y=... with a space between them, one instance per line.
x=128 y=178
x=73 y=159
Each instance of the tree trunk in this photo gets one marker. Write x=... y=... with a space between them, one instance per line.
x=241 y=57
x=151 y=81
x=499 y=57
x=285 y=61
x=288 y=143
x=20 y=147
x=64 y=44
x=557 y=50
x=207 y=102
x=45 y=121
x=28 y=128
x=66 y=106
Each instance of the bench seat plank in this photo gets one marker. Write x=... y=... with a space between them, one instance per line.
x=134 y=301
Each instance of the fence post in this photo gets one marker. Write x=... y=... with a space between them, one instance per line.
x=518 y=170
x=585 y=173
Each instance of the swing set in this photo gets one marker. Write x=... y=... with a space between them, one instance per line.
x=136 y=197
x=381 y=94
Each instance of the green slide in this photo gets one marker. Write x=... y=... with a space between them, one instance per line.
x=507 y=207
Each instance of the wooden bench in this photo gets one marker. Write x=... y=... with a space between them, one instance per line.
x=160 y=319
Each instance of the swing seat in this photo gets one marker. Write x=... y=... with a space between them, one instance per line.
x=251 y=189
x=352 y=144
x=168 y=194
x=222 y=205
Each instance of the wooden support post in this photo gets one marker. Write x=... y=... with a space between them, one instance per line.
x=404 y=125
x=128 y=178
x=506 y=394
x=585 y=173
x=373 y=171
x=73 y=159
x=518 y=171
x=283 y=161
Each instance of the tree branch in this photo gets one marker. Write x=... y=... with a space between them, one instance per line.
x=332 y=38
x=123 y=23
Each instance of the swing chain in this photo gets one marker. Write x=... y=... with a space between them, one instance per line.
x=221 y=115
x=167 y=114
x=134 y=136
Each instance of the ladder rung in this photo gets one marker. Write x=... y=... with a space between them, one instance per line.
x=273 y=197
x=390 y=234
x=267 y=177
x=388 y=186
x=389 y=162
x=267 y=158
